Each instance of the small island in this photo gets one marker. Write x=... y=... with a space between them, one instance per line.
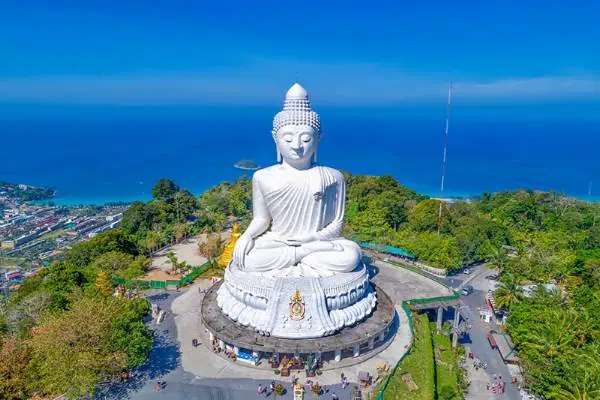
x=246 y=165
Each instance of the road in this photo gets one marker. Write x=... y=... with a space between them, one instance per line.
x=476 y=340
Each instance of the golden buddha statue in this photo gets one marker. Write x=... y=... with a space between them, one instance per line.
x=227 y=254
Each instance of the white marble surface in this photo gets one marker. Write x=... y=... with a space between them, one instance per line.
x=330 y=303
x=294 y=242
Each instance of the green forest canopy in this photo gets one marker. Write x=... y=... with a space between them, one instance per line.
x=555 y=238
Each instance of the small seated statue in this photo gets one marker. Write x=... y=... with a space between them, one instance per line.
x=298 y=206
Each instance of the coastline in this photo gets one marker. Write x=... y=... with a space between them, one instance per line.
x=449 y=197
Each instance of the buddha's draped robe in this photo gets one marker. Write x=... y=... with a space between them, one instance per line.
x=306 y=202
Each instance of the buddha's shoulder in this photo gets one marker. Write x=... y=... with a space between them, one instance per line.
x=266 y=172
x=337 y=175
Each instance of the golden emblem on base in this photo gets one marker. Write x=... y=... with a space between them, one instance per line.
x=296 y=306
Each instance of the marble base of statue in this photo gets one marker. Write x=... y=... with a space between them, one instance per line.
x=296 y=307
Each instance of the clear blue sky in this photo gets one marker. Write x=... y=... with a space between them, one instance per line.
x=344 y=52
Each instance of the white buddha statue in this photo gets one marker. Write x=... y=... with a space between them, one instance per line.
x=298 y=206
x=292 y=274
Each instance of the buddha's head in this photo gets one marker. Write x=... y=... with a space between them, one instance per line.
x=297 y=129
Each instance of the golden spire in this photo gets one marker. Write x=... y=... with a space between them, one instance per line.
x=227 y=254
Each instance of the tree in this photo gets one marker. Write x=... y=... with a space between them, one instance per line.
x=27 y=313
x=180 y=230
x=582 y=379
x=508 y=292
x=15 y=355
x=185 y=204
x=239 y=200
x=175 y=265
x=371 y=223
x=212 y=247
x=499 y=258
x=120 y=264
x=112 y=262
x=95 y=339
x=114 y=240
x=152 y=241
x=103 y=284
x=164 y=190
x=424 y=216
x=138 y=218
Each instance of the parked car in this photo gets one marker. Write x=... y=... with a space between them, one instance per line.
x=467 y=290
x=467 y=271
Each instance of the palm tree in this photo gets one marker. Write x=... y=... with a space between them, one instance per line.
x=556 y=338
x=508 y=293
x=173 y=260
x=499 y=258
x=584 y=385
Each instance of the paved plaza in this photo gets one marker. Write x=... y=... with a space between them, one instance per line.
x=197 y=373
x=401 y=284
x=185 y=251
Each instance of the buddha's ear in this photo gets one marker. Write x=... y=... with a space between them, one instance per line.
x=278 y=156
x=314 y=157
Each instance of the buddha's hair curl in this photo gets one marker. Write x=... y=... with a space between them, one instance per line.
x=297 y=112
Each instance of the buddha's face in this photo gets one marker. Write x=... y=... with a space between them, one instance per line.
x=297 y=143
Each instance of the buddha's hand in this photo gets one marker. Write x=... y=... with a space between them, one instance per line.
x=242 y=247
x=297 y=240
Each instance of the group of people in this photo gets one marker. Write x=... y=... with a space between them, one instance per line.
x=267 y=389
x=230 y=354
x=497 y=385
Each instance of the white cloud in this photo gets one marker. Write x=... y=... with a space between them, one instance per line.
x=264 y=82
x=534 y=88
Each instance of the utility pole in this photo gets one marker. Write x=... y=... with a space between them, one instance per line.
x=443 y=173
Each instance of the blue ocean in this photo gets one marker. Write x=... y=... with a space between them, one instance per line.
x=106 y=156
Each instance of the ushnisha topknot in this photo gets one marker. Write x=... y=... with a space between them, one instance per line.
x=297 y=111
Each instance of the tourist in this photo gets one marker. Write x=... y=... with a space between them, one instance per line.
x=334 y=396
x=260 y=389
x=272 y=386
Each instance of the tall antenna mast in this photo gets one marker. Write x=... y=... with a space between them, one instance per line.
x=443 y=173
